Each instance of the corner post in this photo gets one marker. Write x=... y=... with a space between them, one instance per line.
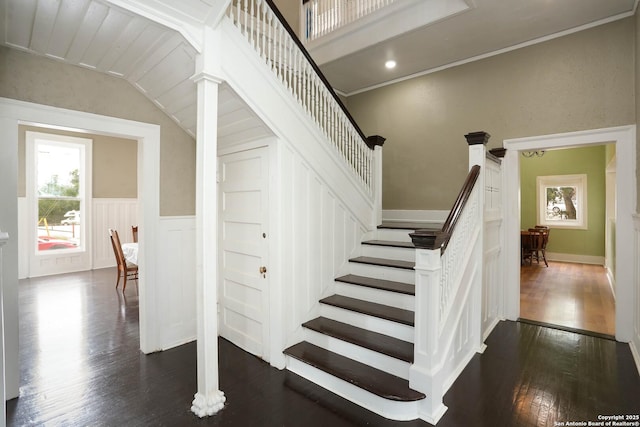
x=425 y=374
x=375 y=142
x=209 y=399
x=478 y=156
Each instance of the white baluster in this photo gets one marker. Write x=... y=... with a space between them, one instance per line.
x=262 y=7
x=271 y=40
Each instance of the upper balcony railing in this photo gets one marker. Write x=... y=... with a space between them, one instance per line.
x=273 y=39
x=321 y=17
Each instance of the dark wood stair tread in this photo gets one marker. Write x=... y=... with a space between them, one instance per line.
x=386 y=285
x=389 y=243
x=407 y=225
x=386 y=312
x=373 y=380
x=384 y=262
x=379 y=343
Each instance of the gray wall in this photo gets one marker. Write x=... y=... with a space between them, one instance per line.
x=36 y=79
x=580 y=81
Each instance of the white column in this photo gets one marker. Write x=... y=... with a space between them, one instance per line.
x=209 y=399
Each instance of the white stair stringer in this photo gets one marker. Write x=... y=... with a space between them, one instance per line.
x=395 y=410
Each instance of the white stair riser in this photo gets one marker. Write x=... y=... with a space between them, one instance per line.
x=389 y=252
x=364 y=321
x=391 y=409
x=396 y=235
x=393 y=299
x=380 y=272
x=371 y=358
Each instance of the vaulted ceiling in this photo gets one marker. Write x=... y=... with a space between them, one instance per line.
x=157 y=56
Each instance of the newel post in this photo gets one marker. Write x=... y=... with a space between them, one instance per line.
x=425 y=375
x=478 y=156
x=375 y=142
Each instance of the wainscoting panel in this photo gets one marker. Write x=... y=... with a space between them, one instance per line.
x=118 y=214
x=177 y=279
x=635 y=341
x=493 y=276
x=318 y=235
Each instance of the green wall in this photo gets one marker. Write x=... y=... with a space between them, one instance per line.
x=590 y=161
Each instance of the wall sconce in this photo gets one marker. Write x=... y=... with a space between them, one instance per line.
x=537 y=153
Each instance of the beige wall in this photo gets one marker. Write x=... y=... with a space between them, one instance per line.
x=290 y=9
x=114 y=163
x=35 y=79
x=580 y=81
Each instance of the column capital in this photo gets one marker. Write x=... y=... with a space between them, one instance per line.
x=204 y=76
x=477 y=138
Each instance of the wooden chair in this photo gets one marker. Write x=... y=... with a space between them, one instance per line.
x=545 y=240
x=527 y=247
x=539 y=239
x=125 y=269
x=134 y=232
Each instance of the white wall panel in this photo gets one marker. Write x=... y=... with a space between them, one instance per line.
x=318 y=236
x=118 y=214
x=635 y=341
x=177 y=274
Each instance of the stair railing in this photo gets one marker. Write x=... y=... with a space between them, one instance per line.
x=321 y=17
x=448 y=287
x=268 y=32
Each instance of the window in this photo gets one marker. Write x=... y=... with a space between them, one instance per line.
x=59 y=190
x=562 y=201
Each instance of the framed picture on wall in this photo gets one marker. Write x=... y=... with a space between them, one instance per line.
x=562 y=201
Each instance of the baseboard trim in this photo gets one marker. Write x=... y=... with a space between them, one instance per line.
x=636 y=354
x=420 y=216
x=575 y=258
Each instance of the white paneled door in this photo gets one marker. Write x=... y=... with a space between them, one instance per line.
x=244 y=285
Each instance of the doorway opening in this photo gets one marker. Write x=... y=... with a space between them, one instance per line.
x=14 y=113
x=624 y=139
x=563 y=217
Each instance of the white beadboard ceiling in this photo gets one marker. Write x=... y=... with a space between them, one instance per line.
x=153 y=44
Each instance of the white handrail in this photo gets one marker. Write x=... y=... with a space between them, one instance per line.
x=292 y=66
x=321 y=17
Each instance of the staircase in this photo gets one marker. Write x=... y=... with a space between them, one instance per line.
x=361 y=345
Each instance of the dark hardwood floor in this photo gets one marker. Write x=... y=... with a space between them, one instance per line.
x=80 y=366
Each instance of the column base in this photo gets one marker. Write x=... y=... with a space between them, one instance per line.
x=204 y=406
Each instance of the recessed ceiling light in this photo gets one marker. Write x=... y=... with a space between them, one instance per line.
x=390 y=64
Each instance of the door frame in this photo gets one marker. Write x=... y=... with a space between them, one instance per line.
x=624 y=138
x=14 y=113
